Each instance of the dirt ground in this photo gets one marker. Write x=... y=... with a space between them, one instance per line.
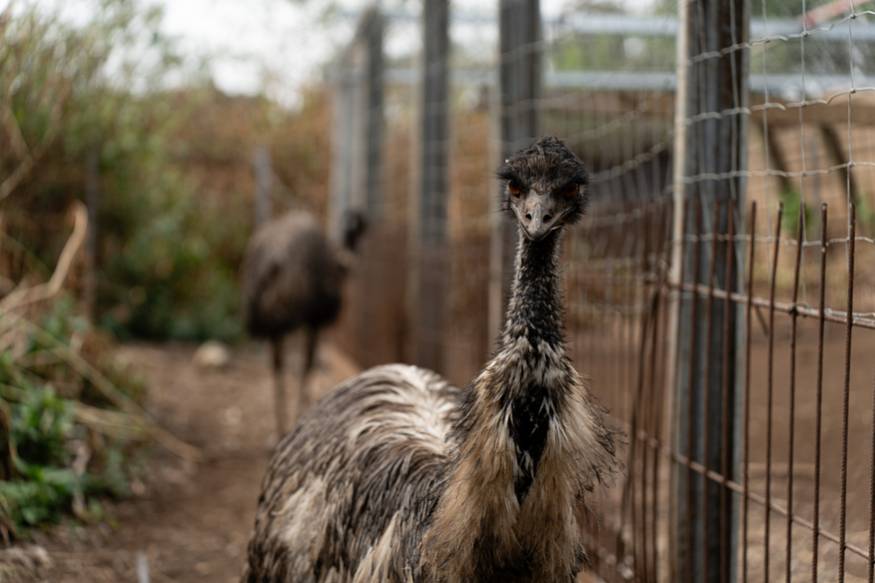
x=189 y=522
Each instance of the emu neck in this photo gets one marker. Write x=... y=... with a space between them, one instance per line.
x=532 y=376
x=535 y=307
x=508 y=504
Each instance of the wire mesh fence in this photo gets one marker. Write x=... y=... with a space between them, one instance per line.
x=726 y=318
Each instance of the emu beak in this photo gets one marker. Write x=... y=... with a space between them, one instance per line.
x=537 y=217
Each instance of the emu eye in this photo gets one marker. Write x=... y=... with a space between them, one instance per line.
x=514 y=188
x=569 y=190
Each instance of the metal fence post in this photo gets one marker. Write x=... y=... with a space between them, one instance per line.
x=358 y=120
x=430 y=232
x=520 y=81
x=263 y=184
x=372 y=37
x=341 y=164
x=709 y=359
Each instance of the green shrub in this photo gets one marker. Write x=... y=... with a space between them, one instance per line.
x=41 y=425
x=165 y=270
x=45 y=485
x=170 y=281
x=42 y=498
x=58 y=463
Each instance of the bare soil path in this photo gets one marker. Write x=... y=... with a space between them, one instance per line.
x=189 y=522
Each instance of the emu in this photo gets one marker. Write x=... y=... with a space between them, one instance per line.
x=399 y=476
x=292 y=279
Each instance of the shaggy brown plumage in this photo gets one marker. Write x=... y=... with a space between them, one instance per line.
x=398 y=476
x=292 y=277
x=292 y=280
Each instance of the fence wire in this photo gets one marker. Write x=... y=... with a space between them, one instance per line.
x=726 y=317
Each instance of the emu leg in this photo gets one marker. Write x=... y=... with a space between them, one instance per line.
x=311 y=339
x=280 y=403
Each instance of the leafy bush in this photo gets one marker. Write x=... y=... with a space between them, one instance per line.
x=41 y=425
x=46 y=485
x=164 y=267
x=59 y=462
x=169 y=280
x=172 y=166
x=40 y=499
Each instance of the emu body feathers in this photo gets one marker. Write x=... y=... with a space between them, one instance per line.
x=291 y=277
x=347 y=499
x=402 y=485
x=399 y=477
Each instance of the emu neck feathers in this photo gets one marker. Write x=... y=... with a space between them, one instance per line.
x=509 y=501
x=535 y=309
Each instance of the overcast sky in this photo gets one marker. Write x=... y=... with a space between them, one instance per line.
x=278 y=45
x=285 y=41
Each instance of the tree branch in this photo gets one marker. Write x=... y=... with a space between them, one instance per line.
x=27 y=296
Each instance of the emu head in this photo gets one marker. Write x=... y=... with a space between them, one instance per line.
x=544 y=187
x=353 y=227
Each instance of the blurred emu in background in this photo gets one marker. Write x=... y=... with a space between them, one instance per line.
x=292 y=279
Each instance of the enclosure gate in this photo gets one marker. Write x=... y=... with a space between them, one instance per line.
x=720 y=294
